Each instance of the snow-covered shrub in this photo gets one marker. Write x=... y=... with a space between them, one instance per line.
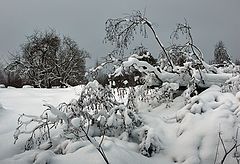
x=94 y=98
x=158 y=95
x=207 y=127
x=38 y=127
x=153 y=97
x=191 y=90
x=230 y=68
x=232 y=85
x=150 y=142
x=120 y=93
x=132 y=99
x=200 y=103
x=122 y=120
x=95 y=113
x=210 y=99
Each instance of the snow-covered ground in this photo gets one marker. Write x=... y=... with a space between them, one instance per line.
x=190 y=131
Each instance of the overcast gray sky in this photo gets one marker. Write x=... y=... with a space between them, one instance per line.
x=83 y=21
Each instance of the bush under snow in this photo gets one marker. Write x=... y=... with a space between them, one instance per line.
x=195 y=128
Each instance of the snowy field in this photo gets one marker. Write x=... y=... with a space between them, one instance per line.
x=200 y=130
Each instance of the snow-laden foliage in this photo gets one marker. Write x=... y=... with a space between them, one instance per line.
x=230 y=68
x=158 y=95
x=182 y=62
x=232 y=85
x=151 y=143
x=142 y=94
x=210 y=99
x=152 y=114
x=208 y=128
x=134 y=63
x=199 y=124
x=95 y=113
x=135 y=71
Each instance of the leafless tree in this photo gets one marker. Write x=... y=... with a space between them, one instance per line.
x=121 y=31
x=46 y=59
x=188 y=49
x=70 y=65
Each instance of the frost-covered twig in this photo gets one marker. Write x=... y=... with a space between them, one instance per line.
x=227 y=152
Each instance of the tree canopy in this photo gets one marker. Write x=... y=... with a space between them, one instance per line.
x=46 y=59
x=220 y=54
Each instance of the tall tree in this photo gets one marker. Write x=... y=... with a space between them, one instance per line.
x=220 y=54
x=46 y=59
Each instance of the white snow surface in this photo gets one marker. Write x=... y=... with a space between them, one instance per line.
x=188 y=130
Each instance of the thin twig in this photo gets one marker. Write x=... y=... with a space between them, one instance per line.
x=223 y=145
x=216 y=154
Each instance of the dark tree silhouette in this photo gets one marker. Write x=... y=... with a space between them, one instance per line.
x=46 y=59
x=220 y=54
x=237 y=61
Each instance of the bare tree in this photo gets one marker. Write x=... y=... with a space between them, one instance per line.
x=121 y=31
x=188 y=49
x=70 y=63
x=46 y=59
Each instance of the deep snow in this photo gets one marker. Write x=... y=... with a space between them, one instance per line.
x=188 y=129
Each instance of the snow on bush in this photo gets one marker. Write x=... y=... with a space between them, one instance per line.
x=231 y=68
x=151 y=143
x=95 y=113
x=158 y=95
x=98 y=112
x=152 y=97
x=206 y=124
x=209 y=99
x=232 y=85
x=83 y=122
x=43 y=157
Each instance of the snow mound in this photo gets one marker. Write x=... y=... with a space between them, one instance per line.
x=2 y=86
x=2 y=108
x=188 y=132
x=210 y=99
x=27 y=86
x=206 y=118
